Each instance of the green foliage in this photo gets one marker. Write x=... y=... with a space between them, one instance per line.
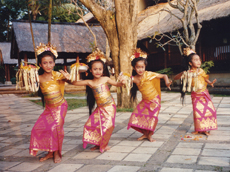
x=63 y=11
x=167 y=71
x=125 y=109
x=9 y=9
x=13 y=80
x=57 y=68
x=207 y=65
x=76 y=94
x=92 y=46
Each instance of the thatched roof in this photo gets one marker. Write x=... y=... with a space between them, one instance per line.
x=151 y=21
x=5 y=49
x=68 y=38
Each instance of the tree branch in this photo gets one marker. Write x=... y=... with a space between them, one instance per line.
x=172 y=5
x=184 y=23
x=81 y=15
x=96 y=9
x=199 y=26
x=180 y=6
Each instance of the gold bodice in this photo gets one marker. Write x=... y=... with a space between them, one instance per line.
x=201 y=83
x=53 y=90
x=149 y=86
x=102 y=95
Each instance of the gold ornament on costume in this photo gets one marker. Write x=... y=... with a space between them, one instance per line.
x=188 y=76
x=138 y=53
x=76 y=68
x=97 y=54
x=187 y=51
x=27 y=76
x=128 y=83
x=48 y=47
x=186 y=81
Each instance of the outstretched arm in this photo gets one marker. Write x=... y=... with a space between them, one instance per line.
x=117 y=84
x=77 y=83
x=211 y=83
x=178 y=76
x=165 y=77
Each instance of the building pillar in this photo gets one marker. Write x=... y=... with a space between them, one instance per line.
x=7 y=74
x=65 y=64
x=25 y=58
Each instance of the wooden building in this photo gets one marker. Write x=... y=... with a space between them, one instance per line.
x=213 y=43
x=8 y=63
x=71 y=40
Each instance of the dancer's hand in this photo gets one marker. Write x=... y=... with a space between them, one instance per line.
x=65 y=74
x=121 y=78
x=168 y=84
x=213 y=82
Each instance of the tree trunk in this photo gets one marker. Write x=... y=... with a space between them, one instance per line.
x=49 y=21
x=126 y=20
x=193 y=47
x=34 y=17
x=121 y=31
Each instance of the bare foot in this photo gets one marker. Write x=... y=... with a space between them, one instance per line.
x=142 y=137
x=48 y=156
x=107 y=148
x=94 y=148
x=57 y=158
x=195 y=132
x=207 y=133
x=150 y=138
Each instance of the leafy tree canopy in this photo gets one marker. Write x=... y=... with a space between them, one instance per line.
x=63 y=11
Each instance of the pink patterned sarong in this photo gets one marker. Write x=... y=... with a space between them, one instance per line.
x=204 y=112
x=145 y=117
x=48 y=133
x=99 y=127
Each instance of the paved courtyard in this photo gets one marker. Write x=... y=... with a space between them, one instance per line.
x=172 y=151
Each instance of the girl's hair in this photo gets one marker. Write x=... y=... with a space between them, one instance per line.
x=134 y=89
x=89 y=92
x=185 y=67
x=41 y=71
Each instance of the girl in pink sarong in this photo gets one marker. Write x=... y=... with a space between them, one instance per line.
x=145 y=117
x=99 y=127
x=47 y=133
x=204 y=113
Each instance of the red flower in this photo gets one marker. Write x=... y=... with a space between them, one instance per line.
x=137 y=55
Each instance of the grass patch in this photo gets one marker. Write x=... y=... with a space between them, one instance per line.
x=125 y=109
x=221 y=95
x=76 y=94
x=72 y=103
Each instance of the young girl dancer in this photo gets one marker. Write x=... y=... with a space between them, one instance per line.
x=145 y=117
x=204 y=113
x=99 y=127
x=47 y=133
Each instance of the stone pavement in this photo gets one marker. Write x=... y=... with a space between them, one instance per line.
x=170 y=153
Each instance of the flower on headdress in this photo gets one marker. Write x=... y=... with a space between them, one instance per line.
x=97 y=54
x=138 y=53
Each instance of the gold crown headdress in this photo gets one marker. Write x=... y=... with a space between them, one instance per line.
x=187 y=51
x=97 y=54
x=138 y=53
x=48 y=47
